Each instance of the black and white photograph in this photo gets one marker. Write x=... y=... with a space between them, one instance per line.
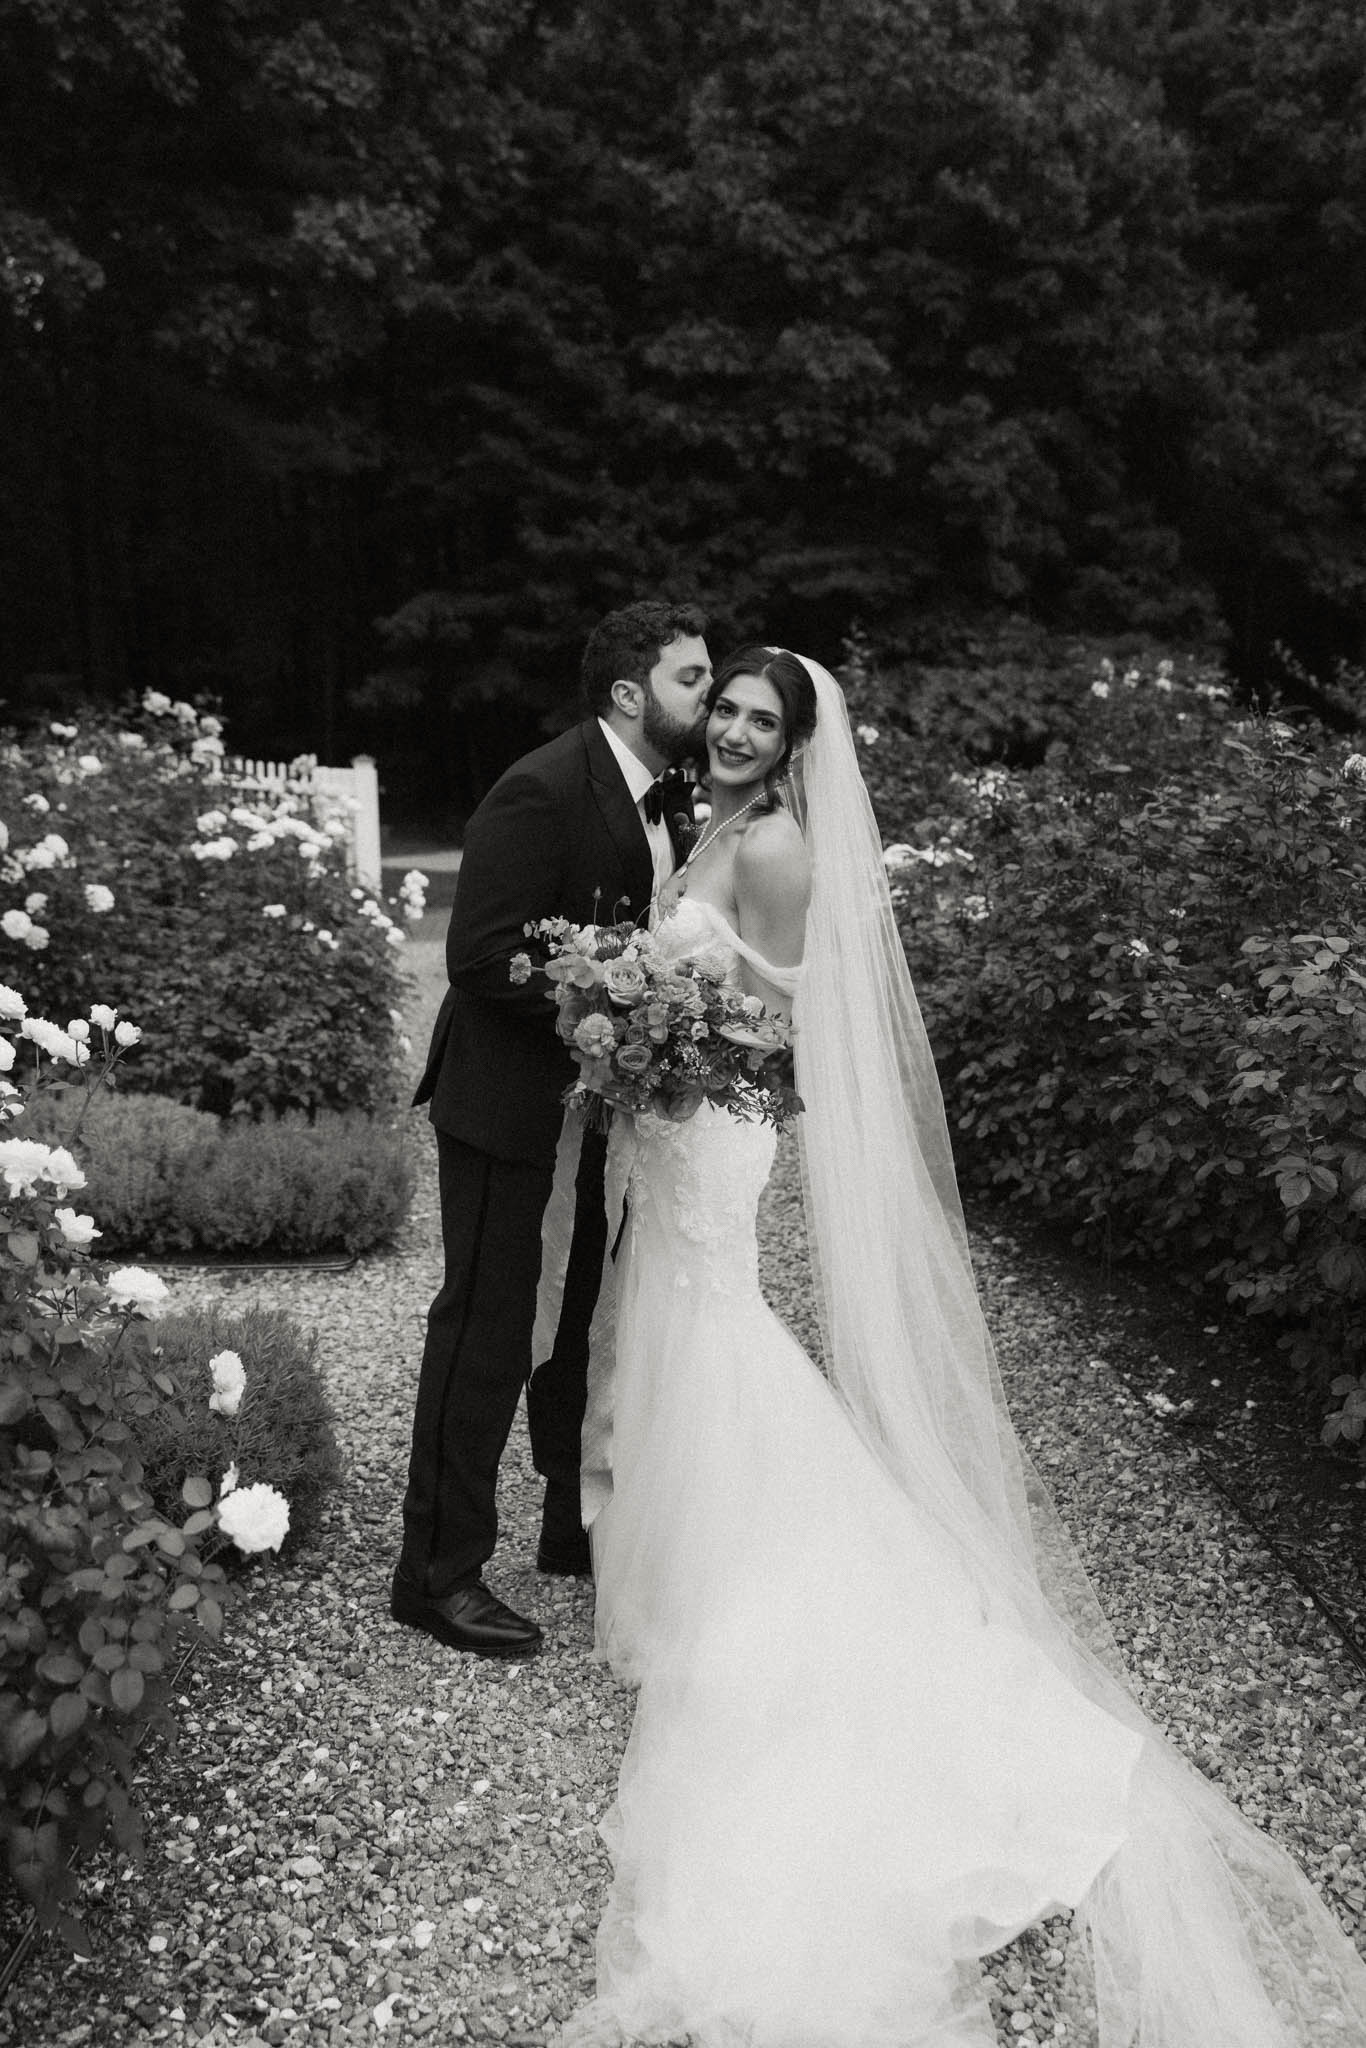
x=683 y=1024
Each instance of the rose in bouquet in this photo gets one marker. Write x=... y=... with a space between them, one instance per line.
x=651 y=1032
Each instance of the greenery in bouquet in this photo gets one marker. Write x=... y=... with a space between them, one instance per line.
x=130 y=859
x=105 y=1587
x=651 y=1032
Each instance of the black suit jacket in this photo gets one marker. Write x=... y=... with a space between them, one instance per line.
x=556 y=836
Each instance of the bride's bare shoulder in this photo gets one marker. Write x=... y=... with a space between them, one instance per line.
x=772 y=857
x=772 y=835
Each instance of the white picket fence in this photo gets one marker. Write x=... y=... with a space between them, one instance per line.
x=358 y=785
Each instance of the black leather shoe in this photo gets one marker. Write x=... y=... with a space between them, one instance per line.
x=563 y=1548
x=469 y=1618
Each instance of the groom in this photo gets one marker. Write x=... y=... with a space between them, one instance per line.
x=572 y=830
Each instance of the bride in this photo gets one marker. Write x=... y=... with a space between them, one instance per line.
x=881 y=1729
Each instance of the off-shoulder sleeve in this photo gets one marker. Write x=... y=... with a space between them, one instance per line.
x=785 y=979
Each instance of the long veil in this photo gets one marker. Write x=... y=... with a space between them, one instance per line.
x=1200 y=1932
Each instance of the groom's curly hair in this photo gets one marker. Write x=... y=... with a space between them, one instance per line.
x=628 y=642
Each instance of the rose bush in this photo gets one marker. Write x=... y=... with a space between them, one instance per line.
x=102 y=1587
x=128 y=860
x=1143 y=968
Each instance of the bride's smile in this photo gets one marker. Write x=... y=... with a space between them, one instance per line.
x=746 y=734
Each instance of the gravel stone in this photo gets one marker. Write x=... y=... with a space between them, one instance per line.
x=360 y=1835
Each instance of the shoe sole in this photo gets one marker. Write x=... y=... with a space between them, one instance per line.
x=447 y=1641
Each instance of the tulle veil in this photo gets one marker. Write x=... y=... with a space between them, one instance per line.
x=1200 y=1932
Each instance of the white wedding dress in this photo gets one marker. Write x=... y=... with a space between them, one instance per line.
x=847 y=1773
x=852 y=1772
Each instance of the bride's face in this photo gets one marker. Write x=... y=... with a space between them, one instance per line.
x=745 y=732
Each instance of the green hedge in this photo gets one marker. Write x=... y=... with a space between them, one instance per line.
x=162 y=1177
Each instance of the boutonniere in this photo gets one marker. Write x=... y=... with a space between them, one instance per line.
x=685 y=828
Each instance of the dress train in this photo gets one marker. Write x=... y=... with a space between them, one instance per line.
x=853 y=1772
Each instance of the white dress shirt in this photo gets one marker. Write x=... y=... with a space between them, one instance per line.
x=638 y=780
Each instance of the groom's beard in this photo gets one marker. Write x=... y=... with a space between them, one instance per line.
x=674 y=738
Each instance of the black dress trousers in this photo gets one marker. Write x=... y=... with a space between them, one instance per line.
x=475 y=1362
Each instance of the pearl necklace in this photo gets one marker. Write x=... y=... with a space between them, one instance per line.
x=708 y=837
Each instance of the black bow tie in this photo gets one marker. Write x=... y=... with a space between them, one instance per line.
x=673 y=782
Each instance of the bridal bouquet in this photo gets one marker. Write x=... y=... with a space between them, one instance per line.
x=653 y=1032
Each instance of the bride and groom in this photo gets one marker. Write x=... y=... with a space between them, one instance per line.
x=880 y=1729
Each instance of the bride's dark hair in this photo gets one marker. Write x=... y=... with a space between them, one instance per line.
x=796 y=691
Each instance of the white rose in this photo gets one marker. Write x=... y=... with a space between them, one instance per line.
x=255 y=1517
x=16 y=924
x=6 y=1054
x=126 y=1034
x=155 y=702
x=78 y=1029
x=63 y=732
x=145 y=1293
x=89 y=764
x=131 y=740
x=35 y=904
x=22 y=1163
x=272 y=910
x=899 y=856
x=12 y=1004
x=36 y=937
x=56 y=1043
x=63 y=1172
x=229 y=1480
x=38 y=802
x=77 y=1230
x=98 y=898
x=48 y=1036
x=229 y=1380
x=102 y=1016
x=211 y=822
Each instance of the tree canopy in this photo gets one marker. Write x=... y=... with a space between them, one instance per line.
x=351 y=364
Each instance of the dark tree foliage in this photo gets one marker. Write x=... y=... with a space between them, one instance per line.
x=352 y=363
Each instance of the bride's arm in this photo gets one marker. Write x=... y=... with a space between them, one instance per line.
x=772 y=881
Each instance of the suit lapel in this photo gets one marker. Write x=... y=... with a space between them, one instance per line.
x=621 y=819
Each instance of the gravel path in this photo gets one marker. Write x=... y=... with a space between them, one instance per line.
x=361 y=1834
